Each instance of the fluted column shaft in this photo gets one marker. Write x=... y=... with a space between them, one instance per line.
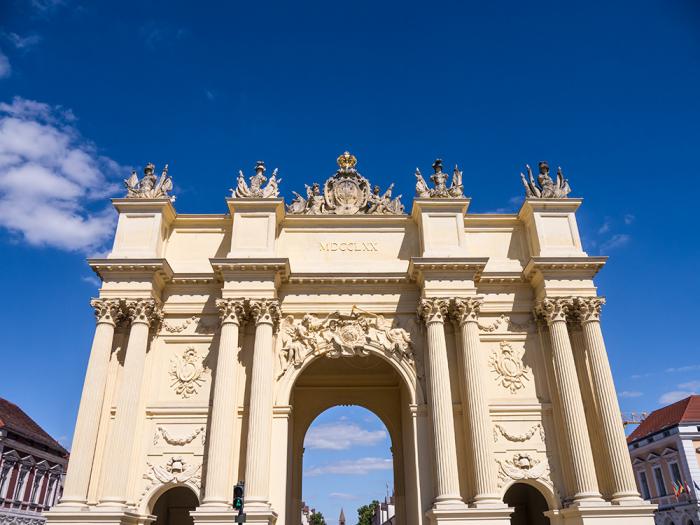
x=466 y=312
x=265 y=312
x=121 y=443
x=223 y=411
x=433 y=312
x=586 y=484
x=623 y=487
x=108 y=313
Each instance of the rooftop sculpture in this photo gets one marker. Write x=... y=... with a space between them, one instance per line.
x=256 y=189
x=346 y=193
x=150 y=186
x=439 y=178
x=545 y=187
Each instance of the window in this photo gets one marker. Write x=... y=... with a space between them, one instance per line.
x=658 y=475
x=675 y=473
x=644 y=484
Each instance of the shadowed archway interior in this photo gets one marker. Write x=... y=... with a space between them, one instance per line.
x=174 y=505
x=529 y=504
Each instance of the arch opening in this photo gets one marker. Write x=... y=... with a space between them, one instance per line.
x=529 y=505
x=368 y=385
x=174 y=505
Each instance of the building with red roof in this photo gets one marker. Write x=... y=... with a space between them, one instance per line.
x=32 y=467
x=665 y=451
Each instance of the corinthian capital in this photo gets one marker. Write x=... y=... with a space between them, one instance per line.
x=231 y=310
x=144 y=311
x=108 y=310
x=433 y=310
x=264 y=311
x=554 y=309
x=466 y=310
x=588 y=308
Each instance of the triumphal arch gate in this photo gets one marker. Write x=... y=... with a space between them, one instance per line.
x=476 y=338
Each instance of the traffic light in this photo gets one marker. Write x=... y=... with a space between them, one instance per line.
x=238 y=492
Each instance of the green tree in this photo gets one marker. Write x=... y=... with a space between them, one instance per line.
x=317 y=519
x=365 y=513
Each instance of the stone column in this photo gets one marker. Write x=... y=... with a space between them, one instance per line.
x=480 y=437
x=624 y=488
x=265 y=313
x=108 y=313
x=223 y=412
x=433 y=312
x=141 y=312
x=555 y=311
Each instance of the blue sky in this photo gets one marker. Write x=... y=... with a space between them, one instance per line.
x=607 y=90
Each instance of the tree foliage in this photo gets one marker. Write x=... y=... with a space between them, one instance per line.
x=317 y=519
x=365 y=513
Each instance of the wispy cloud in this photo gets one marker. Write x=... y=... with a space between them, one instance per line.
x=23 y=42
x=641 y=376
x=209 y=94
x=352 y=467
x=674 y=395
x=628 y=218
x=686 y=368
x=52 y=179
x=616 y=241
x=91 y=279
x=605 y=228
x=690 y=385
x=342 y=495
x=5 y=68
x=341 y=436
x=630 y=394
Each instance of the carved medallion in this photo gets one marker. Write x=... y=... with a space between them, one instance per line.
x=508 y=366
x=522 y=466
x=187 y=373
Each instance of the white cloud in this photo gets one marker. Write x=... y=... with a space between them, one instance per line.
x=5 y=69
x=341 y=436
x=673 y=396
x=616 y=241
x=342 y=495
x=605 y=228
x=352 y=467
x=51 y=179
x=631 y=393
x=687 y=368
x=690 y=385
x=23 y=42
x=629 y=218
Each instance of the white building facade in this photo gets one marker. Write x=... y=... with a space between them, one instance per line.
x=476 y=338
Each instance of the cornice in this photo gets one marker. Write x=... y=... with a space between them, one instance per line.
x=548 y=266
x=421 y=265
x=105 y=267
x=130 y=205
x=268 y=264
x=501 y=277
x=193 y=278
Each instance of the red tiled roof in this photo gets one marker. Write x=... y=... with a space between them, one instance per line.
x=16 y=420
x=684 y=411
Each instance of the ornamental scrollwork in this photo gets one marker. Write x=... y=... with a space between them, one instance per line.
x=544 y=187
x=467 y=309
x=553 y=309
x=505 y=321
x=499 y=430
x=439 y=178
x=588 y=309
x=146 y=311
x=149 y=187
x=434 y=310
x=256 y=190
x=264 y=311
x=522 y=466
x=176 y=470
x=187 y=373
x=337 y=335
x=178 y=328
x=507 y=364
x=346 y=193
x=231 y=310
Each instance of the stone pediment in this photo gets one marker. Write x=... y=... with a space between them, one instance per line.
x=346 y=193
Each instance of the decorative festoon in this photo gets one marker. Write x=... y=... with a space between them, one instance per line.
x=439 y=178
x=256 y=190
x=150 y=186
x=544 y=187
x=346 y=193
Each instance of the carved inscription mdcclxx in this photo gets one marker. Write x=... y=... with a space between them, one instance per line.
x=359 y=246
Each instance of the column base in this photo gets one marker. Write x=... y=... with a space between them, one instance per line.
x=458 y=515
x=604 y=515
x=214 y=515
x=93 y=516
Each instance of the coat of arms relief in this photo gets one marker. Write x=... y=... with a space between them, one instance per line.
x=336 y=335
